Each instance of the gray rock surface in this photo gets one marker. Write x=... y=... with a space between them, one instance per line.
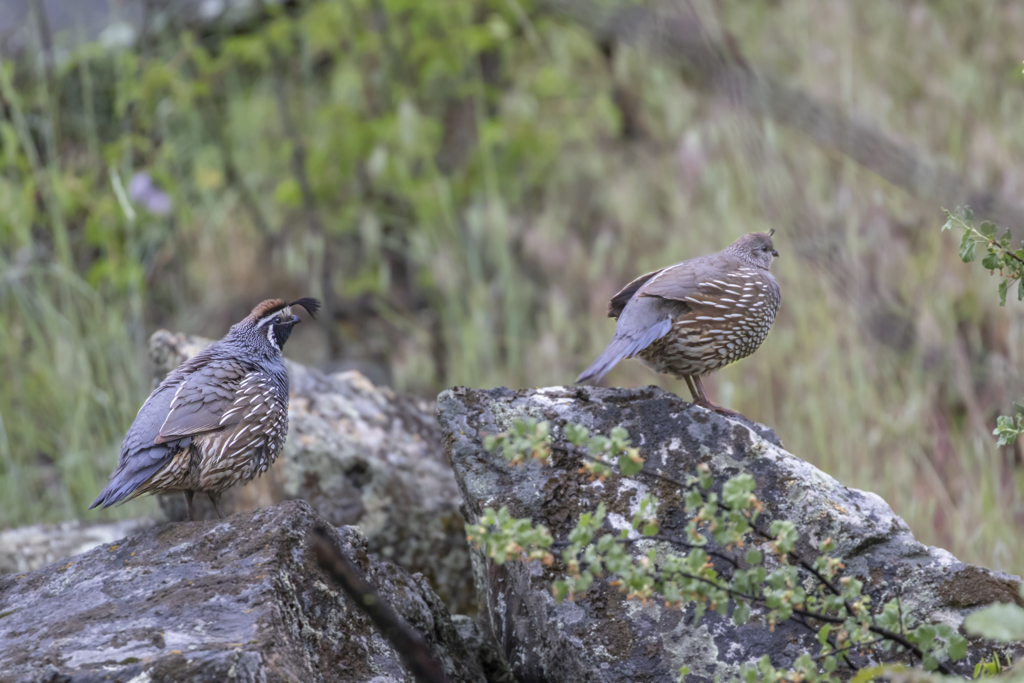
x=30 y=547
x=603 y=637
x=235 y=600
x=360 y=455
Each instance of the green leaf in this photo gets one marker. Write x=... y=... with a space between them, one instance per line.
x=704 y=476
x=988 y=229
x=630 y=462
x=957 y=647
x=1001 y=622
x=1020 y=290
x=1003 y=287
x=576 y=434
x=754 y=557
x=924 y=635
x=785 y=534
x=1008 y=429
x=992 y=261
x=869 y=674
x=823 y=633
x=683 y=673
x=967 y=245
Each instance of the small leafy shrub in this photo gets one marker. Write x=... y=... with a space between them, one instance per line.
x=716 y=567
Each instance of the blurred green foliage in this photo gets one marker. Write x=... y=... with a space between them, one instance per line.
x=465 y=184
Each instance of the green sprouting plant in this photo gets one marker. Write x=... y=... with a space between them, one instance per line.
x=1000 y=258
x=715 y=566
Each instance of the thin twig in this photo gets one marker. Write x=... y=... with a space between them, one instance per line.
x=846 y=650
x=309 y=206
x=831 y=641
x=408 y=643
x=215 y=122
x=899 y=606
x=672 y=540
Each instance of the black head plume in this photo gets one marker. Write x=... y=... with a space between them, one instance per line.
x=310 y=304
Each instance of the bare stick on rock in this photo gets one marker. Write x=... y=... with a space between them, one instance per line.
x=407 y=641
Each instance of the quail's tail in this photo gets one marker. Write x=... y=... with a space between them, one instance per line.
x=132 y=473
x=624 y=345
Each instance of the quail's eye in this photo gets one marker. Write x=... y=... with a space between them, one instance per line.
x=277 y=320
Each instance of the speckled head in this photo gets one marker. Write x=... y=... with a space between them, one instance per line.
x=756 y=248
x=273 y=320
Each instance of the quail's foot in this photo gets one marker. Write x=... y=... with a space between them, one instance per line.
x=704 y=403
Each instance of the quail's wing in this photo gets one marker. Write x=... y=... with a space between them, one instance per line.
x=258 y=418
x=703 y=285
x=620 y=300
x=202 y=400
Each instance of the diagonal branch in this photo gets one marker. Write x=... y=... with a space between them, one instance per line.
x=719 y=70
x=408 y=643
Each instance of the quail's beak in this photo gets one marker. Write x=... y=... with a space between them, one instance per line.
x=775 y=253
x=295 y=320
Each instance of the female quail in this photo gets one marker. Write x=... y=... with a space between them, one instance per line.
x=697 y=316
x=219 y=419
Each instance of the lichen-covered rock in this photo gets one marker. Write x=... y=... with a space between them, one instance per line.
x=360 y=455
x=30 y=547
x=241 y=599
x=603 y=637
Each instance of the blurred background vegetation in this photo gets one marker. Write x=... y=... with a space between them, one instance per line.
x=466 y=183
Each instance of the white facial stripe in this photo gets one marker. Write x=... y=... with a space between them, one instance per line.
x=270 y=336
x=285 y=313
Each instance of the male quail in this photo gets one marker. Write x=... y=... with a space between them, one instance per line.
x=220 y=418
x=697 y=316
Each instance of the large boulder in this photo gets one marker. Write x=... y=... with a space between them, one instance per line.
x=600 y=636
x=236 y=600
x=360 y=455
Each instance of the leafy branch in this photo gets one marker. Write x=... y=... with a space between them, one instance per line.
x=999 y=257
x=724 y=525
x=1009 y=263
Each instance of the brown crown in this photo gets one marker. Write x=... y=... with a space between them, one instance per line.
x=264 y=308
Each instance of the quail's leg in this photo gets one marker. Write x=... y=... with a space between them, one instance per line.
x=215 y=499
x=689 y=383
x=705 y=402
x=188 y=501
